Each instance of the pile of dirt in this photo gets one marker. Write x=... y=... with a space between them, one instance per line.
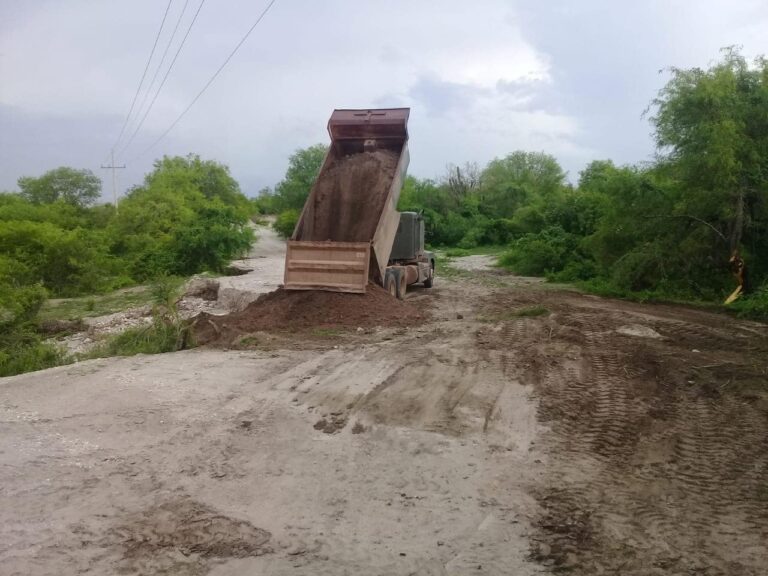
x=289 y=310
x=348 y=198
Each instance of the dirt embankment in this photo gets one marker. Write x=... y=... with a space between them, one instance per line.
x=349 y=198
x=296 y=310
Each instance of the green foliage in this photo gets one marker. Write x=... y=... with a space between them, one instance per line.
x=661 y=230
x=66 y=262
x=21 y=348
x=101 y=304
x=74 y=187
x=541 y=253
x=527 y=312
x=189 y=216
x=167 y=332
x=712 y=127
x=520 y=179
x=753 y=305
x=264 y=203
x=162 y=335
x=22 y=352
x=303 y=168
x=286 y=221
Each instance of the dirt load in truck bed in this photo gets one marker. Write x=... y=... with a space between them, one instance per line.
x=348 y=198
x=296 y=310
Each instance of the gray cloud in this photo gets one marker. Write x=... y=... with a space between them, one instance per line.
x=482 y=79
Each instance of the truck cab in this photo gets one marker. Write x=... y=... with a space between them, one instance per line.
x=412 y=263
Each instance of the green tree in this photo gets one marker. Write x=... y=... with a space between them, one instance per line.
x=712 y=130
x=519 y=179
x=209 y=177
x=303 y=168
x=188 y=216
x=75 y=187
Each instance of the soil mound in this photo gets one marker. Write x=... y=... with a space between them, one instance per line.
x=348 y=198
x=289 y=310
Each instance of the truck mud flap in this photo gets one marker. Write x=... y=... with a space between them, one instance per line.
x=336 y=266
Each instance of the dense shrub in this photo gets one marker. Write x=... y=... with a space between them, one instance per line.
x=285 y=222
x=21 y=348
x=538 y=254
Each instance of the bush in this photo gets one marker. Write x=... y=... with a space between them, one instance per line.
x=21 y=348
x=539 y=254
x=162 y=335
x=285 y=222
x=753 y=305
x=27 y=353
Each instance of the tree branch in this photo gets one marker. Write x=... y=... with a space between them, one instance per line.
x=715 y=230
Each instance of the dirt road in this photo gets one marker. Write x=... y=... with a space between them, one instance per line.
x=523 y=430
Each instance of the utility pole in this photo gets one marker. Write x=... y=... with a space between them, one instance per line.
x=114 y=176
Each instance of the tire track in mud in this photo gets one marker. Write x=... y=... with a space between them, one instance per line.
x=658 y=453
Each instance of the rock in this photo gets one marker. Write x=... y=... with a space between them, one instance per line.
x=459 y=316
x=205 y=288
x=236 y=269
x=639 y=330
x=53 y=327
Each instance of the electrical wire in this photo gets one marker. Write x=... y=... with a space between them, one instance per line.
x=165 y=77
x=162 y=58
x=210 y=81
x=143 y=76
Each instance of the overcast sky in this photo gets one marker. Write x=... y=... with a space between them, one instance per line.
x=482 y=78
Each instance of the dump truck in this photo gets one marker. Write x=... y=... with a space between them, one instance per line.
x=349 y=232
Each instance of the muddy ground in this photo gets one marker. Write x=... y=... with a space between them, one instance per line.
x=522 y=430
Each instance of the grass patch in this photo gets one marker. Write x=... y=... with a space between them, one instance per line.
x=102 y=304
x=248 y=342
x=73 y=308
x=527 y=312
x=29 y=357
x=477 y=251
x=162 y=335
x=445 y=269
x=166 y=333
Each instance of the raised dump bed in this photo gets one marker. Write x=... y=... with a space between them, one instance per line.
x=346 y=230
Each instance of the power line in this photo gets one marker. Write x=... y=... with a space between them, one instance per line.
x=162 y=58
x=113 y=167
x=143 y=76
x=165 y=77
x=159 y=67
x=210 y=81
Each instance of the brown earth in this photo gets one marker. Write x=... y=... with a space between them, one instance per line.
x=340 y=211
x=286 y=310
x=658 y=420
x=518 y=430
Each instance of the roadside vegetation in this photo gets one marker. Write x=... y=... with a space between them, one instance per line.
x=662 y=230
x=187 y=217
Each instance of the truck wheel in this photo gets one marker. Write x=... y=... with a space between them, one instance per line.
x=390 y=283
x=431 y=278
x=401 y=285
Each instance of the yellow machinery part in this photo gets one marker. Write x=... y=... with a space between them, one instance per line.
x=734 y=295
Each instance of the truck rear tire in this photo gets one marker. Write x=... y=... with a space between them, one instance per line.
x=402 y=287
x=390 y=283
x=429 y=282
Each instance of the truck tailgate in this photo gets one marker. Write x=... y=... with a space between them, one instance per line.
x=336 y=266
